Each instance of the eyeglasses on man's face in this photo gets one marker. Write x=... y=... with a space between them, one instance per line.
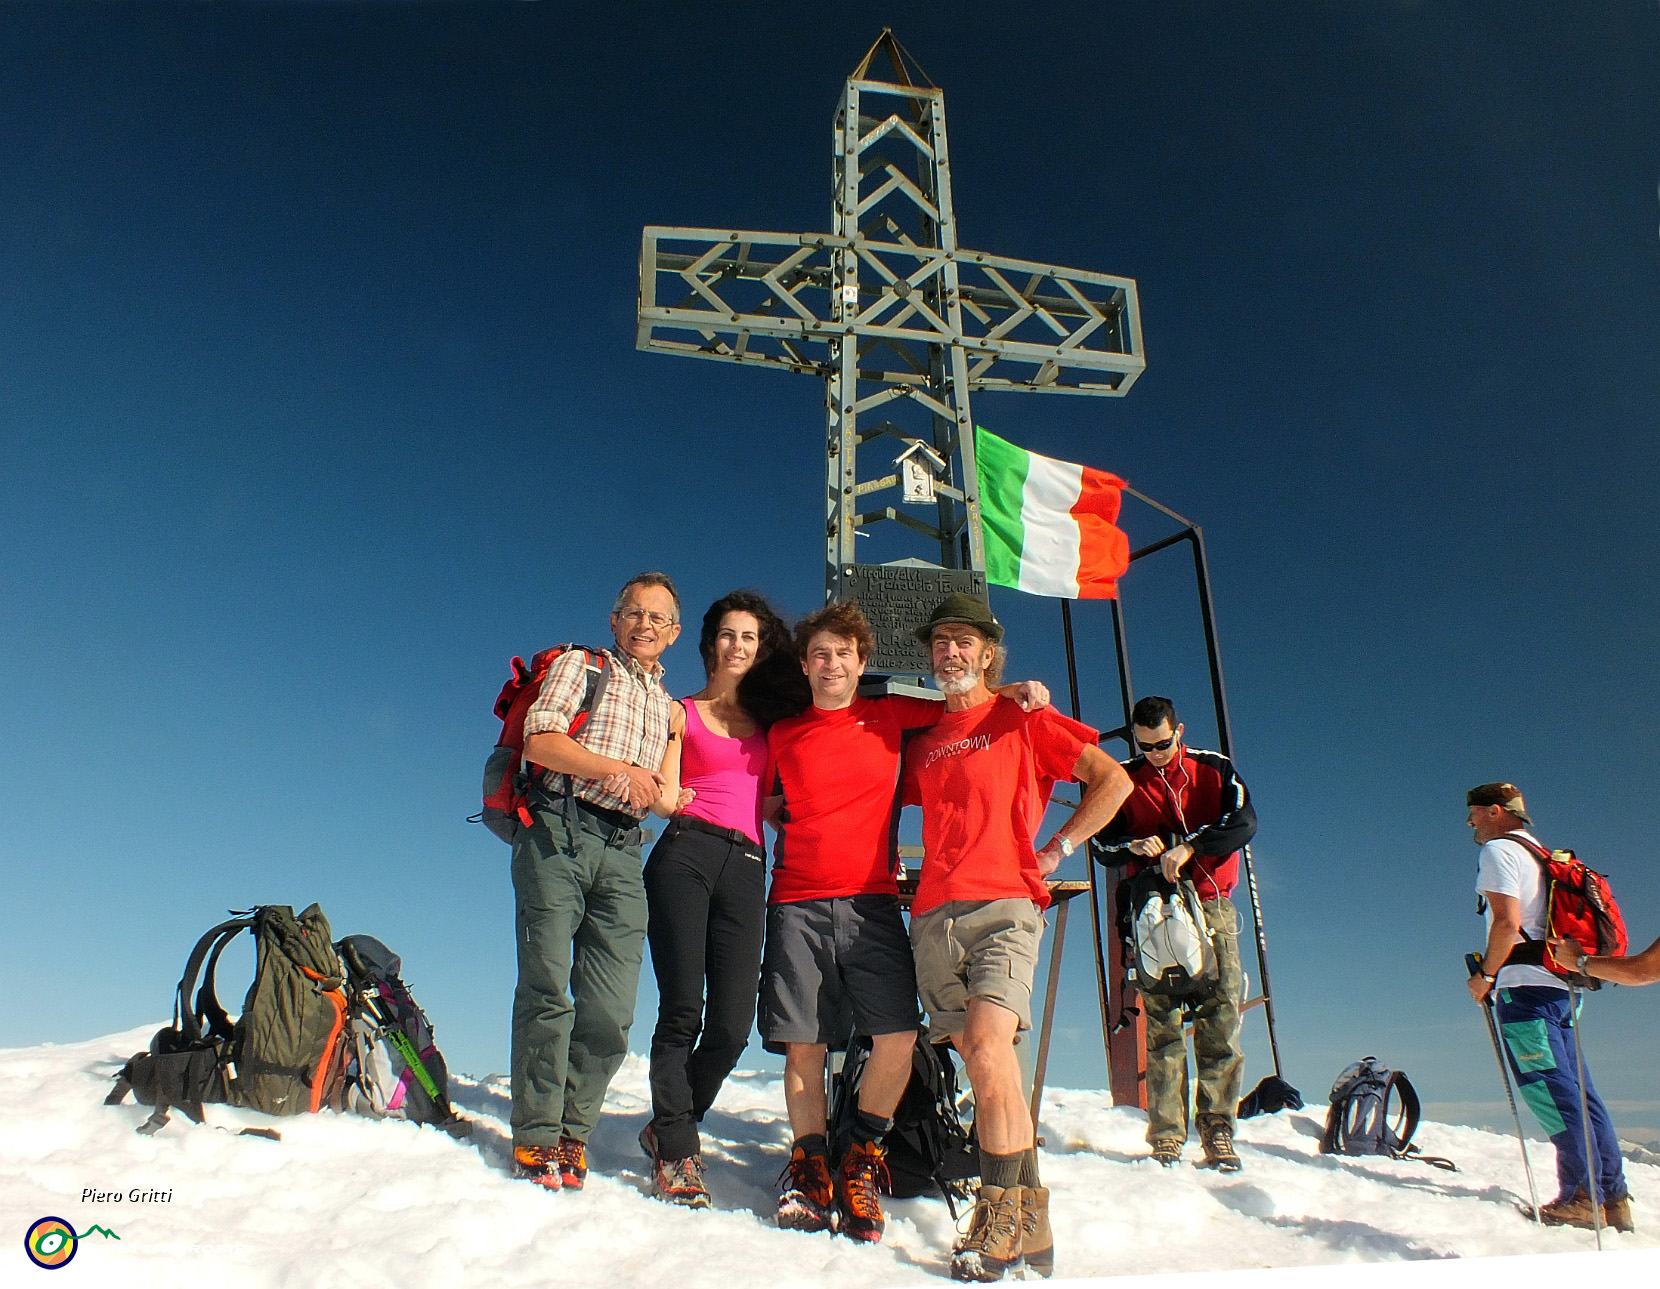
x=636 y=616
x=1163 y=745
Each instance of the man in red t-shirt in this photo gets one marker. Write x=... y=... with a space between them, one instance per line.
x=837 y=955
x=983 y=775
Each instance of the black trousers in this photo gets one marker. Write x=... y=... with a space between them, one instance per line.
x=706 y=899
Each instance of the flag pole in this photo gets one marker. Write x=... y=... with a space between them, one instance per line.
x=1089 y=863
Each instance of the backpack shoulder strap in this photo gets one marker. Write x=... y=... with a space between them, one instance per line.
x=186 y=1015
x=1538 y=851
x=1401 y=1086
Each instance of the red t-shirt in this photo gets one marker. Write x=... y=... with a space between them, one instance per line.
x=838 y=771
x=983 y=778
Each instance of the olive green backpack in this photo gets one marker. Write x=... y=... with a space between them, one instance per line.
x=283 y=1055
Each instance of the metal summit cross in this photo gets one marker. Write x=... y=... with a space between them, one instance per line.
x=901 y=323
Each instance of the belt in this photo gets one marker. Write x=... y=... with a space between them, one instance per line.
x=734 y=835
x=614 y=825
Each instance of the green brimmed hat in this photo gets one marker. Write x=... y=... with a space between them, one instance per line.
x=959 y=606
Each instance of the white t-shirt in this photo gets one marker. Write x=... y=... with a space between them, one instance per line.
x=1509 y=868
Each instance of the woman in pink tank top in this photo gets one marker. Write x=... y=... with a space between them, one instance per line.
x=706 y=883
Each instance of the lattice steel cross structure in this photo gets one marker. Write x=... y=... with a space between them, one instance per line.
x=900 y=321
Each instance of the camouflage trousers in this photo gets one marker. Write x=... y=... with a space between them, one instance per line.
x=1216 y=1051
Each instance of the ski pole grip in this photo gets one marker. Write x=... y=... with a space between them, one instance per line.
x=1473 y=962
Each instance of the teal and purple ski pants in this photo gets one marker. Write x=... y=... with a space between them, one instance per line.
x=1537 y=1024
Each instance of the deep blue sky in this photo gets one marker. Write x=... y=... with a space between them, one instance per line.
x=319 y=399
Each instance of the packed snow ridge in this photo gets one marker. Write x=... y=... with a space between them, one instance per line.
x=342 y=1200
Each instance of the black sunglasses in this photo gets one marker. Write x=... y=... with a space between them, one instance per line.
x=1156 y=747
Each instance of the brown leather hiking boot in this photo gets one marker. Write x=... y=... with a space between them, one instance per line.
x=1167 y=1151
x=1216 y=1136
x=861 y=1181
x=1574 y=1211
x=1617 y=1214
x=809 y=1196
x=992 y=1247
x=1037 y=1241
x=539 y=1164
x=573 y=1163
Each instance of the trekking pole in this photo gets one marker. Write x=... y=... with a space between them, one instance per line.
x=1585 y=1119
x=1473 y=962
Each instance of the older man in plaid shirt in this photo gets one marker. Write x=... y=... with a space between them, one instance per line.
x=581 y=903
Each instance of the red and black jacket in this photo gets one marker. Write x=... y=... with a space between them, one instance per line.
x=1198 y=798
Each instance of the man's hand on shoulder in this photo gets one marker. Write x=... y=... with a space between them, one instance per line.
x=1032 y=695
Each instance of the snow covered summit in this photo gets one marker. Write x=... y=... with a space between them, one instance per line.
x=343 y=1201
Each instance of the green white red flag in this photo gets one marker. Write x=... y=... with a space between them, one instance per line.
x=1050 y=526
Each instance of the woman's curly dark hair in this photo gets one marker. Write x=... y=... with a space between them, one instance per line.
x=775 y=686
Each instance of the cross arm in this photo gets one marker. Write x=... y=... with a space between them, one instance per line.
x=772 y=299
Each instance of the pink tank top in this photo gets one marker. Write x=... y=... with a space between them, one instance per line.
x=725 y=773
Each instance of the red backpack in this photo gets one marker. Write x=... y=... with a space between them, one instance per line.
x=1579 y=906
x=507 y=775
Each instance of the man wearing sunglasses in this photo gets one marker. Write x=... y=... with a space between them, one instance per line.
x=1188 y=812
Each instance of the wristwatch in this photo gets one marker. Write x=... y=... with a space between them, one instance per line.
x=1489 y=979
x=1066 y=846
x=1579 y=964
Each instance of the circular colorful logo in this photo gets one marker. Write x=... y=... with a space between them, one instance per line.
x=51 y=1243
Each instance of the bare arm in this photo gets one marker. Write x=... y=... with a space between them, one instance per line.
x=1106 y=787
x=1636 y=969
x=668 y=801
x=1502 y=937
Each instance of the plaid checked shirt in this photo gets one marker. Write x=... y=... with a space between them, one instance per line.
x=629 y=722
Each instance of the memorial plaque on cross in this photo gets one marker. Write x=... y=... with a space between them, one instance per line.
x=903 y=325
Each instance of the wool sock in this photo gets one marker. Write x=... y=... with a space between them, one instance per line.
x=1028 y=1167
x=868 y=1127
x=813 y=1143
x=1001 y=1171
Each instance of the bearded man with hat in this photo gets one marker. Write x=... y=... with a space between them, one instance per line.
x=1534 y=1011
x=983 y=775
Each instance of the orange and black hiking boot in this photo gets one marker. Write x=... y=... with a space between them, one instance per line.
x=809 y=1197
x=573 y=1163
x=861 y=1181
x=539 y=1164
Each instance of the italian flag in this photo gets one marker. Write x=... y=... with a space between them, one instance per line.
x=1049 y=525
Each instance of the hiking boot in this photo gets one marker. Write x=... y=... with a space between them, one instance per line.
x=539 y=1164
x=573 y=1163
x=809 y=1196
x=1574 y=1211
x=1216 y=1136
x=1616 y=1213
x=1037 y=1242
x=680 y=1181
x=1167 y=1151
x=991 y=1248
x=861 y=1181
